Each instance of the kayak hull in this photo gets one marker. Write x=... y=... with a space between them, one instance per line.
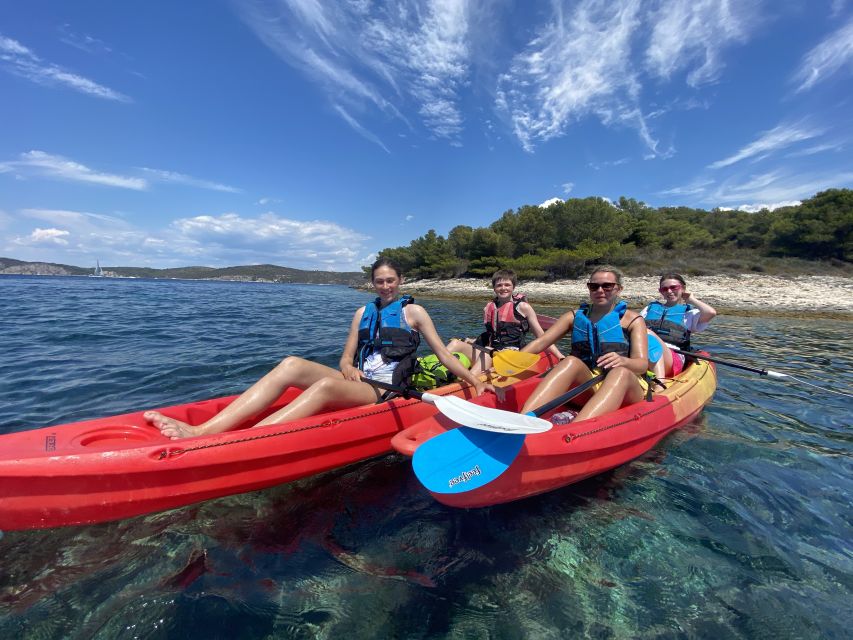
x=569 y=453
x=120 y=466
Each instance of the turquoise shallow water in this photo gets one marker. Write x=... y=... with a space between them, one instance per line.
x=738 y=526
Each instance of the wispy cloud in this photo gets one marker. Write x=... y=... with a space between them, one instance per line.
x=180 y=178
x=54 y=166
x=82 y=41
x=578 y=65
x=692 y=34
x=358 y=128
x=385 y=56
x=607 y=163
x=829 y=57
x=593 y=57
x=775 y=139
x=567 y=187
x=695 y=188
x=776 y=186
x=21 y=61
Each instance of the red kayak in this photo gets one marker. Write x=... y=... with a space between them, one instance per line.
x=120 y=466
x=565 y=454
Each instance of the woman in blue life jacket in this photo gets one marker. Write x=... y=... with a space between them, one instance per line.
x=381 y=345
x=507 y=318
x=671 y=323
x=606 y=337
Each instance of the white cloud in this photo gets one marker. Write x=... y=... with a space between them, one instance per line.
x=47 y=236
x=567 y=187
x=777 y=186
x=829 y=57
x=755 y=208
x=54 y=166
x=695 y=188
x=21 y=61
x=576 y=66
x=415 y=53
x=298 y=243
x=83 y=41
x=769 y=141
x=409 y=218
x=359 y=129
x=549 y=202
x=607 y=163
x=687 y=33
x=78 y=237
x=180 y=178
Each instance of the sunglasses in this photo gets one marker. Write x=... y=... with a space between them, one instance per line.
x=595 y=286
x=675 y=287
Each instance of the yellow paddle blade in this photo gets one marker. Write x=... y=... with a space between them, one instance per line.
x=509 y=362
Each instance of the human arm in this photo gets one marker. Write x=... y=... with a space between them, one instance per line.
x=419 y=319
x=533 y=321
x=706 y=311
x=349 y=371
x=561 y=327
x=638 y=359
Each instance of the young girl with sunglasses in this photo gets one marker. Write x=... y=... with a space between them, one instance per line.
x=671 y=323
x=381 y=345
x=606 y=337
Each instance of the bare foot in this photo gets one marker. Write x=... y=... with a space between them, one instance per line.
x=169 y=427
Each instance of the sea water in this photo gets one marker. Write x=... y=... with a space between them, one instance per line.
x=737 y=526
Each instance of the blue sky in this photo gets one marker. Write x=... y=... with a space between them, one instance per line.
x=312 y=134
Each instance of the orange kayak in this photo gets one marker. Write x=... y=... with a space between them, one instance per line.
x=561 y=456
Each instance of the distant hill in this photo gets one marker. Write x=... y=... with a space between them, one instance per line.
x=247 y=273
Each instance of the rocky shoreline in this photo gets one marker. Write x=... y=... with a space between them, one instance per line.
x=746 y=294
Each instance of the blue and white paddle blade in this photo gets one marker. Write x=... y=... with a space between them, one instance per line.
x=464 y=459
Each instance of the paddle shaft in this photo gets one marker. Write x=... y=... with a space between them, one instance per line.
x=762 y=372
x=572 y=393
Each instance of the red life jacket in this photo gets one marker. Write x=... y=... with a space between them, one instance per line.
x=505 y=325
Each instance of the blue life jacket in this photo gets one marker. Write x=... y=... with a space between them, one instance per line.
x=387 y=332
x=590 y=341
x=668 y=323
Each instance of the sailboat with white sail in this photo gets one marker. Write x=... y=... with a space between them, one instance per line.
x=99 y=273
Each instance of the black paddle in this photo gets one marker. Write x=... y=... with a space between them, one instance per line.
x=762 y=372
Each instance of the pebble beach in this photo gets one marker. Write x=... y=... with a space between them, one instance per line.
x=746 y=294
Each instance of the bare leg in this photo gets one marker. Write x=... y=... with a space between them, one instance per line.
x=324 y=395
x=665 y=362
x=621 y=384
x=660 y=367
x=291 y=371
x=481 y=361
x=563 y=376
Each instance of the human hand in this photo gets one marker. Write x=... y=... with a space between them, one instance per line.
x=685 y=296
x=351 y=373
x=481 y=387
x=611 y=361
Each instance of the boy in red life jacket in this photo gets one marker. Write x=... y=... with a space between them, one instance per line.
x=507 y=318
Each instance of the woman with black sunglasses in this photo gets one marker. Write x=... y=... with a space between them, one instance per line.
x=672 y=321
x=606 y=338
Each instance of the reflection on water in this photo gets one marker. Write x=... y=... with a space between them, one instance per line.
x=737 y=526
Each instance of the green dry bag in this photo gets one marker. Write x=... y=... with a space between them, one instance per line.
x=430 y=373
